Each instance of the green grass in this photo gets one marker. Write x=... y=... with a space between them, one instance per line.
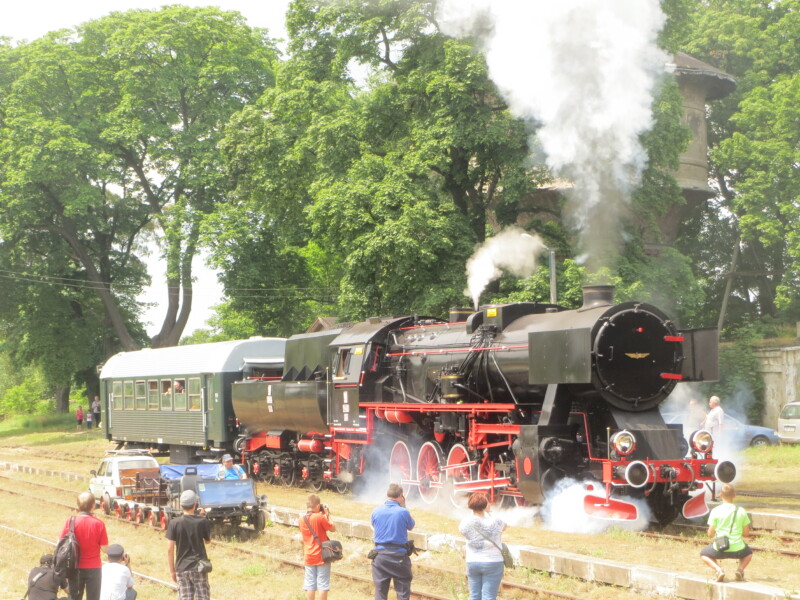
x=772 y=456
x=27 y=424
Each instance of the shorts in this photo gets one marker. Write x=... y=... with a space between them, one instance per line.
x=317 y=577
x=193 y=586
x=712 y=552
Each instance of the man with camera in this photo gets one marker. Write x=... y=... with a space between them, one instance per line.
x=188 y=536
x=43 y=581
x=318 y=572
x=391 y=559
x=117 y=581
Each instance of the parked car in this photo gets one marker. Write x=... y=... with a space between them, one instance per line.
x=789 y=423
x=738 y=435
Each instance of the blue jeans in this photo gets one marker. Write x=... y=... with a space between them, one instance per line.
x=484 y=579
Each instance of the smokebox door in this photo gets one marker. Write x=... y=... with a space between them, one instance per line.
x=559 y=356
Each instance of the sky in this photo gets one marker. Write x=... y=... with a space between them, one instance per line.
x=31 y=19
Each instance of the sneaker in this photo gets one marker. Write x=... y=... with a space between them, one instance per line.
x=739 y=575
x=720 y=576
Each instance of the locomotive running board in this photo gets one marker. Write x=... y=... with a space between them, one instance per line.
x=610 y=509
x=695 y=507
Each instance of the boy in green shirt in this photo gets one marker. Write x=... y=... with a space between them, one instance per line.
x=733 y=522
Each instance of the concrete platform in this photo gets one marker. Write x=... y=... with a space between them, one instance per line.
x=638 y=577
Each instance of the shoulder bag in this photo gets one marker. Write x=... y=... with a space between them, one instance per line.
x=331 y=550
x=722 y=542
x=508 y=560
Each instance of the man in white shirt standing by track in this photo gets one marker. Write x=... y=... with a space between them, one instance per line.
x=714 y=419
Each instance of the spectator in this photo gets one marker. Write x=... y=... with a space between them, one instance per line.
x=188 y=536
x=695 y=415
x=79 y=417
x=714 y=418
x=117 y=579
x=96 y=411
x=392 y=521
x=733 y=522
x=89 y=419
x=484 y=554
x=92 y=539
x=318 y=573
x=43 y=581
x=228 y=470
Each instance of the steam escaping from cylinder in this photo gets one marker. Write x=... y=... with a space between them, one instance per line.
x=585 y=72
x=512 y=250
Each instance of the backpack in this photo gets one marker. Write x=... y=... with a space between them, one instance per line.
x=68 y=552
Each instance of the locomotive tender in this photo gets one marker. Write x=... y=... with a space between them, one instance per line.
x=510 y=401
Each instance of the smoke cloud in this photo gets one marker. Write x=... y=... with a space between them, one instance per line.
x=585 y=71
x=512 y=249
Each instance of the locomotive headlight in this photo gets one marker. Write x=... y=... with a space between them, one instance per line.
x=624 y=442
x=701 y=441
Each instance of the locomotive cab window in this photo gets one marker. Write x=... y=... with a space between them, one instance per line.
x=343 y=362
x=194 y=394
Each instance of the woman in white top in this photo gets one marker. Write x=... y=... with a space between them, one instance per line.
x=484 y=558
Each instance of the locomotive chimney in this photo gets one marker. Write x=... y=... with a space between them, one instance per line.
x=597 y=295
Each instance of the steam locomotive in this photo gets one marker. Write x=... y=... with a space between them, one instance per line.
x=510 y=399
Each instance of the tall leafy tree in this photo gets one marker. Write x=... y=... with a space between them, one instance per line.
x=110 y=133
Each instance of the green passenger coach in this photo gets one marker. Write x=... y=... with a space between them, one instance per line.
x=179 y=398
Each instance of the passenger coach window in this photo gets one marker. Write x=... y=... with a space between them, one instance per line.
x=179 y=392
x=141 y=399
x=116 y=395
x=128 y=395
x=194 y=394
x=152 y=394
x=166 y=394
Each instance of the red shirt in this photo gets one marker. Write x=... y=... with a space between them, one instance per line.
x=91 y=534
x=313 y=551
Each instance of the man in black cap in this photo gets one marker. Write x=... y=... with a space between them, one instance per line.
x=117 y=581
x=228 y=470
x=188 y=537
x=43 y=581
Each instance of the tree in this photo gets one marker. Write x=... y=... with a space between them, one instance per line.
x=110 y=134
x=754 y=155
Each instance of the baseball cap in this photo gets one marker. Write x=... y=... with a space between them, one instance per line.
x=115 y=551
x=188 y=498
x=226 y=457
x=46 y=559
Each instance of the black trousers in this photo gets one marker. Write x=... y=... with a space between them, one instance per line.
x=88 y=580
x=392 y=565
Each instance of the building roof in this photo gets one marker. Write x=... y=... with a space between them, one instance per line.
x=219 y=357
x=719 y=83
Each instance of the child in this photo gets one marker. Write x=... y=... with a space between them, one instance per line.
x=79 y=416
x=88 y=419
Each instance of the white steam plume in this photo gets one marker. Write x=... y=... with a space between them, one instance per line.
x=512 y=249
x=585 y=70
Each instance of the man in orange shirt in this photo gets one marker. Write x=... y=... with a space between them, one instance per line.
x=318 y=573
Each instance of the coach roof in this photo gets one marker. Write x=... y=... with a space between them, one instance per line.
x=219 y=357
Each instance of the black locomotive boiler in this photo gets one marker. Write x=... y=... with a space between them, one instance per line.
x=509 y=401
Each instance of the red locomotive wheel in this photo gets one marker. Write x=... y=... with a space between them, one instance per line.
x=458 y=455
x=429 y=471
x=151 y=518
x=117 y=509
x=400 y=470
x=130 y=513
x=141 y=515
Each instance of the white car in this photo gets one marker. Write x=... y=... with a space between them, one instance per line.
x=789 y=424
x=116 y=475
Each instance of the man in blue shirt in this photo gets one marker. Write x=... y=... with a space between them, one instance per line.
x=228 y=470
x=391 y=523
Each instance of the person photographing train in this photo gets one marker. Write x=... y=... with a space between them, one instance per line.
x=733 y=523
x=228 y=470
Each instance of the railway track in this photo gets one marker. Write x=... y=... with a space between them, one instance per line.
x=534 y=591
x=756 y=494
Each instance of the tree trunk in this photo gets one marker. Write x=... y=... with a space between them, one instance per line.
x=62 y=399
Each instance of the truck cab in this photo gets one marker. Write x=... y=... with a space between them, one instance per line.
x=117 y=473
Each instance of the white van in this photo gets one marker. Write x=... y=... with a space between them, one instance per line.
x=789 y=424
x=115 y=476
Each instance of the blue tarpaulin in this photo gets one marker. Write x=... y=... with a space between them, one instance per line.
x=204 y=471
